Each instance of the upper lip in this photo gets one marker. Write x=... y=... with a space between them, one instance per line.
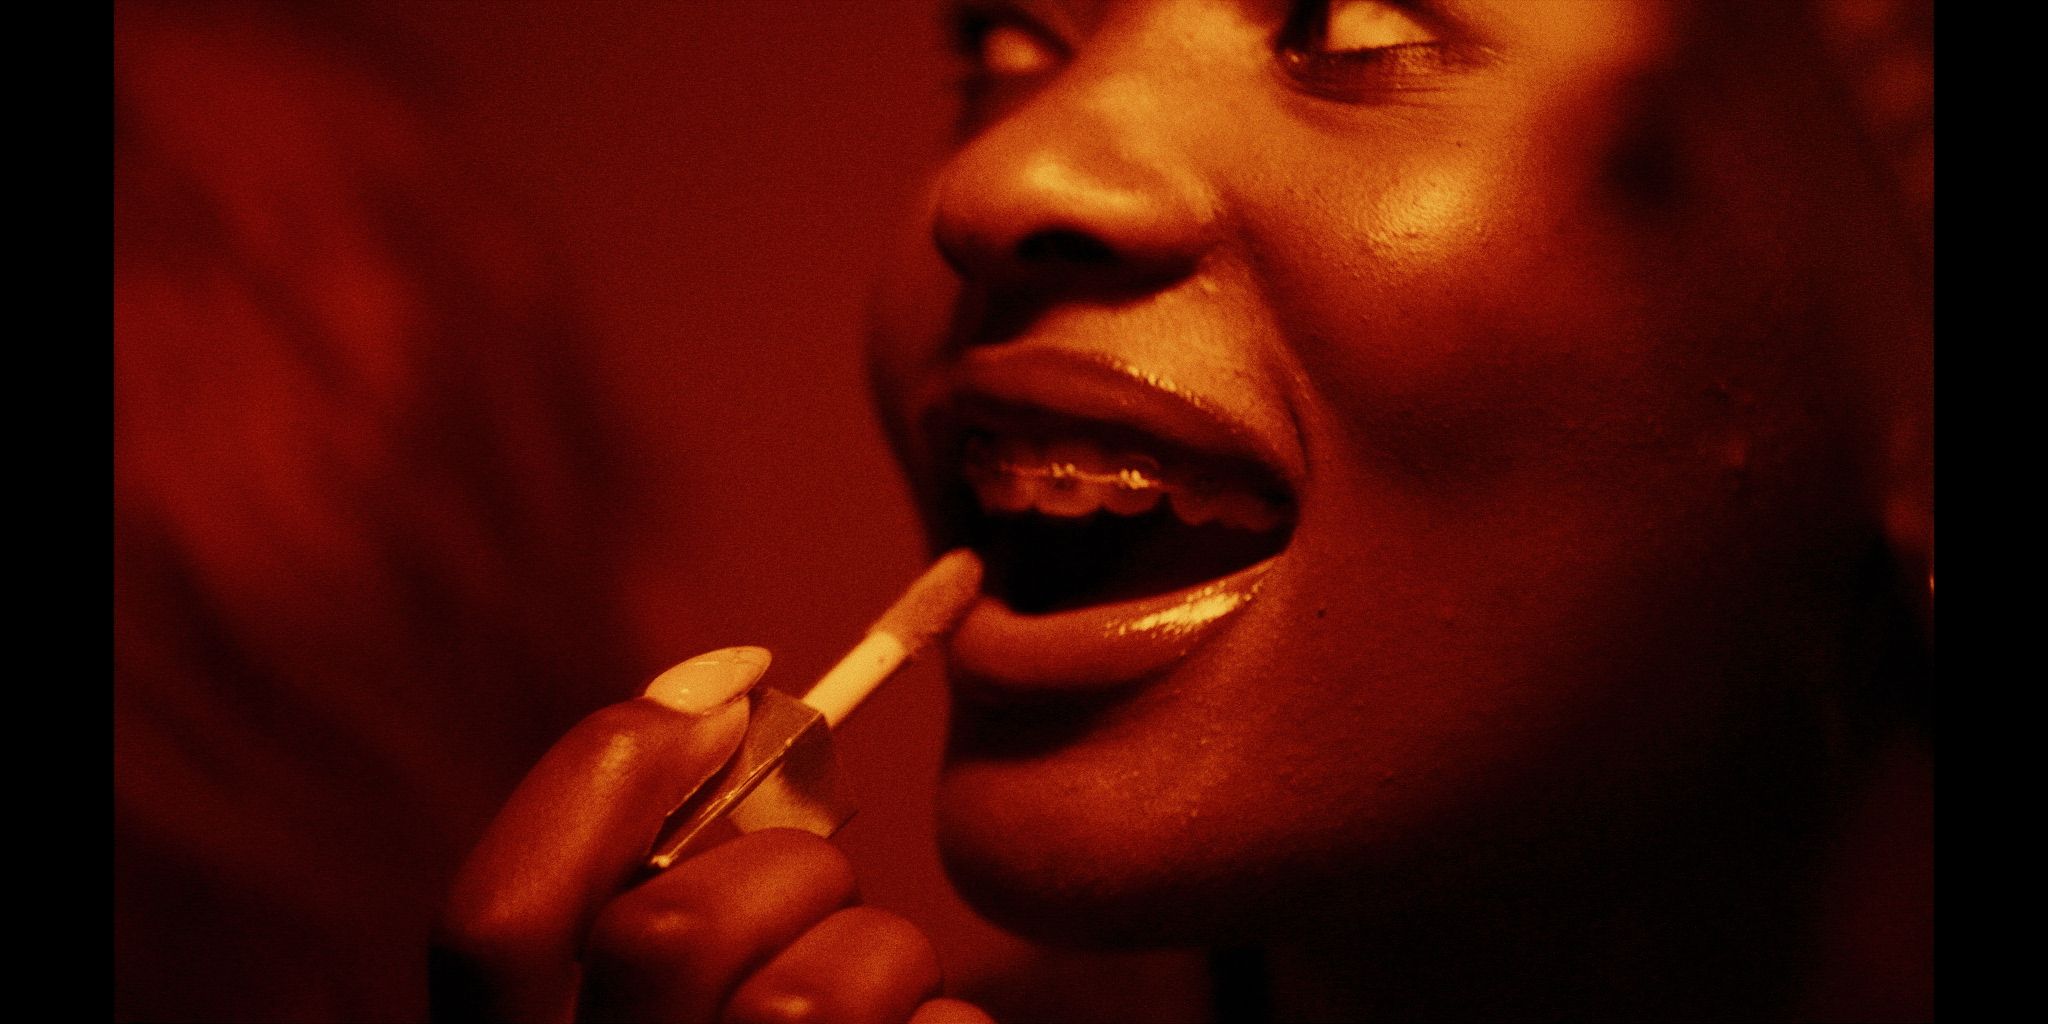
x=1001 y=388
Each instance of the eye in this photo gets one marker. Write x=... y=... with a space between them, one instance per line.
x=1354 y=25
x=999 y=45
x=1006 y=55
x=1013 y=51
x=1354 y=50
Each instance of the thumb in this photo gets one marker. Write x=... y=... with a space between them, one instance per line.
x=575 y=833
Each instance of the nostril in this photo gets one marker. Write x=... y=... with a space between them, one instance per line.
x=1064 y=246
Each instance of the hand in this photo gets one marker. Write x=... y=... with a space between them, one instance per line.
x=551 y=918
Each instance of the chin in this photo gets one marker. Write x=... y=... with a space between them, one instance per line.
x=1054 y=875
x=1131 y=823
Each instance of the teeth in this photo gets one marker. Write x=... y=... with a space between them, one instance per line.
x=998 y=489
x=1072 y=483
x=1074 y=478
x=1194 y=508
x=1137 y=488
x=1238 y=509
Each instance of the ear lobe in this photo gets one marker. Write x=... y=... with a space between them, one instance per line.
x=1898 y=352
x=1909 y=507
x=1885 y=55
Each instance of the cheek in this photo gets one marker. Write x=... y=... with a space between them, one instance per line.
x=1475 y=304
x=1456 y=332
x=1526 y=463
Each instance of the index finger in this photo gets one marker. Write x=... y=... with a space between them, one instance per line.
x=574 y=833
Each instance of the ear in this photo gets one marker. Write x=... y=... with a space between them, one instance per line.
x=1909 y=515
x=1906 y=415
x=1884 y=54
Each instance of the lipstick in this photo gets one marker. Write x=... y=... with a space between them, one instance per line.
x=784 y=774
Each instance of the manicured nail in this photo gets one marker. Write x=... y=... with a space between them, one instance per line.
x=708 y=680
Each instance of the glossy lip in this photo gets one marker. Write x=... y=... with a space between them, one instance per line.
x=1091 y=387
x=999 y=655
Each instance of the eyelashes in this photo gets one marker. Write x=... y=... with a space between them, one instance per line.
x=1350 y=51
x=1357 y=51
x=1352 y=27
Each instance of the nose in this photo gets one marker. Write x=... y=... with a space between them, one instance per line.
x=1078 y=189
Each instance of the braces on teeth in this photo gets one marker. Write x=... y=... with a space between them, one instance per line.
x=1073 y=479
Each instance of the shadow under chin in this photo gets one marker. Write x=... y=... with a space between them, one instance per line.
x=1024 y=730
x=1080 y=885
x=1062 y=913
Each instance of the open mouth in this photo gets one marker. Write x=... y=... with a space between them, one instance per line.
x=1071 y=513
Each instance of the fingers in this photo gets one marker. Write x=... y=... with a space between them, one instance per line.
x=551 y=918
x=859 y=966
x=674 y=948
x=572 y=835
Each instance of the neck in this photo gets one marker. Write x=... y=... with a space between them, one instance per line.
x=1741 y=914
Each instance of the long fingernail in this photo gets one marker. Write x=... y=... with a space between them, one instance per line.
x=708 y=680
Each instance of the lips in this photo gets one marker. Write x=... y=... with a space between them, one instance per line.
x=1125 y=522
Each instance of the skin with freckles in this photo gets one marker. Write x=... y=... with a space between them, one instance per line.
x=1559 y=322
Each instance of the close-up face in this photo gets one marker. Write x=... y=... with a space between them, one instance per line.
x=1404 y=437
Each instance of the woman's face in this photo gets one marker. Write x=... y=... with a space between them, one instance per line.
x=1393 y=430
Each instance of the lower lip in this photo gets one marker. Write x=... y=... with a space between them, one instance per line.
x=998 y=654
